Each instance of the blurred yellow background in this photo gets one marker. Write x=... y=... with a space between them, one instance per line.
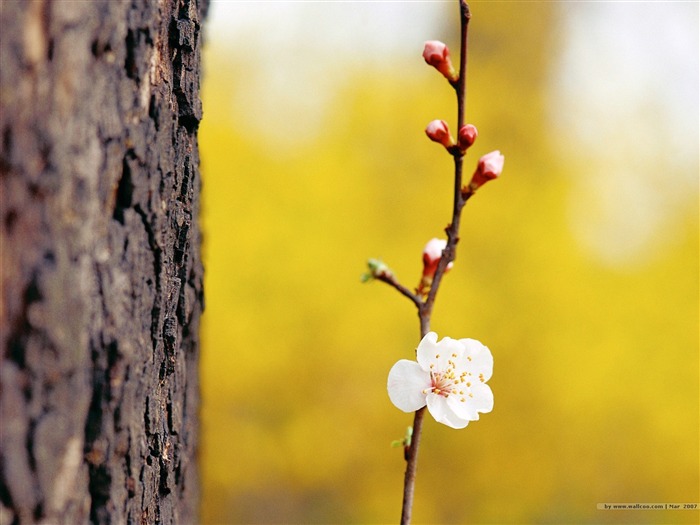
x=578 y=268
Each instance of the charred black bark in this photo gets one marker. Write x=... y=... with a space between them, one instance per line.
x=100 y=259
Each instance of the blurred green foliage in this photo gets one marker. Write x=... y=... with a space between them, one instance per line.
x=596 y=367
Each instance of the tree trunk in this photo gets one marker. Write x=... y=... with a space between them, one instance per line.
x=100 y=259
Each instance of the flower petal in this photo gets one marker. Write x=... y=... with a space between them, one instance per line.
x=461 y=409
x=482 y=400
x=449 y=346
x=438 y=353
x=443 y=413
x=406 y=384
x=481 y=358
x=427 y=348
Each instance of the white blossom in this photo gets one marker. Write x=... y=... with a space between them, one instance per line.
x=449 y=377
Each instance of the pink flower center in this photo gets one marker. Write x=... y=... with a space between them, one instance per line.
x=441 y=384
x=446 y=382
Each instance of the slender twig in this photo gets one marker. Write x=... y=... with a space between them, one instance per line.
x=409 y=479
x=452 y=230
x=425 y=308
x=391 y=280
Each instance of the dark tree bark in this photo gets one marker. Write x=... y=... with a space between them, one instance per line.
x=101 y=270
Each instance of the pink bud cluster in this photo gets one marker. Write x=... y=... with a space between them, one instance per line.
x=490 y=165
x=438 y=131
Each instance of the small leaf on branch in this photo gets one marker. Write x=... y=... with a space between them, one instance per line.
x=377 y=269
x=406 y=441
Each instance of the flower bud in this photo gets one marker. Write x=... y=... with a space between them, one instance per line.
x=466 y=136
x=432 y=253
x=437 y=55
x=490 y=167
x=438 y=131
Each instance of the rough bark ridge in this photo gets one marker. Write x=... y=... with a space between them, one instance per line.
x=101 y=272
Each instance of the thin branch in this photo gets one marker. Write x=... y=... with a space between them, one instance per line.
x=452 y=230
x=391 y=281
x=465 y=16
x=425 y=308
x=409 y=481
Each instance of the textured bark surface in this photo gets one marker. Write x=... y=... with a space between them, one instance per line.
x=101 y=272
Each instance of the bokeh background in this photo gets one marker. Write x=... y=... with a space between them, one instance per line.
x=578 y=267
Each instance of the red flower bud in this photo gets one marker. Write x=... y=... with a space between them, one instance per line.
x=490 y=167
x=437 y=55
x=432 y=253
x=466 y=136
x=438 y=131
x=431 y=256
